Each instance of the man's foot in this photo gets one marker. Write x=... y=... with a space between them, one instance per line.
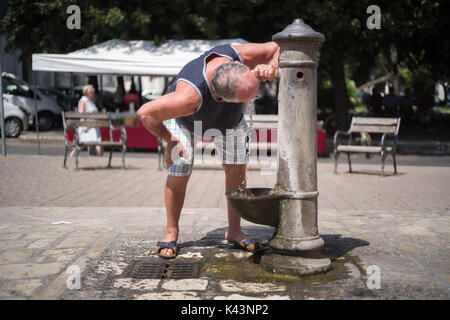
x=161 y=245
x=241 y=241
x=169 y=237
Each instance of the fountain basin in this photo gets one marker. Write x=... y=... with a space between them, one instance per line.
x=257 y=205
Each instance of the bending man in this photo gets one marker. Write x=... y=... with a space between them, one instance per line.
x=209 y=91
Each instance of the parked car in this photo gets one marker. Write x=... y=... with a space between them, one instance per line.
x=21 y=94
x=15 y=119
x=62 y=99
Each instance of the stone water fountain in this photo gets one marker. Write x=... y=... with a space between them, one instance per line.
x=291 y=206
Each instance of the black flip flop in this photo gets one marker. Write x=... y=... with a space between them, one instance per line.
x=160 y=245
x=252 y=246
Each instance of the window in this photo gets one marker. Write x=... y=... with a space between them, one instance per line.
x=16 y=87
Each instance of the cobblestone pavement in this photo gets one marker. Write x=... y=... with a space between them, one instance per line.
x=56 y=222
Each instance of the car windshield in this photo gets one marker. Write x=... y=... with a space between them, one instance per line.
x=16 y=87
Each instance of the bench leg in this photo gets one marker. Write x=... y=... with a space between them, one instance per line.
x=336 y=156
x=110 y=156
x=383 y=158
x=77 y=150
x=124 y=149
x=349 y=161
x=395 y=163
x=65 y=158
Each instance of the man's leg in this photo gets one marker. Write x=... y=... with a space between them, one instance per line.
x=234 y=179
x=174 y=193
x=176 y=183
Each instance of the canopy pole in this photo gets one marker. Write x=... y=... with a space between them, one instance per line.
x=36 y=123
x=100 y=92
x=2 y=113
x=140 y=91
x=72 y=93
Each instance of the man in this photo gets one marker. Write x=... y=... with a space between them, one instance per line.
x=209 y=90
x=405 y=105
x=391 y=102
x=375 y=102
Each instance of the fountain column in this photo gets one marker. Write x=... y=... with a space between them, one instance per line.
x=296 y=245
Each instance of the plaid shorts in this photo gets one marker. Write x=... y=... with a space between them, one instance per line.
x=230 y=148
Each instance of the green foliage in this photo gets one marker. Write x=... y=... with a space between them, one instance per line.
x=417 y=28
x=417 y=74
x=352 y=92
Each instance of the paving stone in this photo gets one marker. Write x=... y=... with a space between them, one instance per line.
x=44 y=234
x=14 y=256
x=190 y=255
x=134 y=284
x=20 y=288
x=233 y=286
x=42 y=243
x=185 y=284
x=74 y=242
x=167 y=296
x=59 y=255
x=10 y=236
x=30 y=270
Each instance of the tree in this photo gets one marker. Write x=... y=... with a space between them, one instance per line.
x=412 y=26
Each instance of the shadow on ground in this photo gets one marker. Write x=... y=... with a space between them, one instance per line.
x=335 y=245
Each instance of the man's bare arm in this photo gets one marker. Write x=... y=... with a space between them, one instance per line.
x=182 y=102
x=253 y=54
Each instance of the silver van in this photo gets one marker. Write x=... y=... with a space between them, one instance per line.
x=21 y=94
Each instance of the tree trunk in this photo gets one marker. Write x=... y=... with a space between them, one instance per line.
x=340 y=94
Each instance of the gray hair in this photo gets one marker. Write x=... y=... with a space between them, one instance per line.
x=225 y=79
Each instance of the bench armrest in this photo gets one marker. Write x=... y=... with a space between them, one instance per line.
x=339 y=133
x=123 y=135
x=390 y=135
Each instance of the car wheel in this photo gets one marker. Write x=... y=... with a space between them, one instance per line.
x=13 y=127
x=45 y=121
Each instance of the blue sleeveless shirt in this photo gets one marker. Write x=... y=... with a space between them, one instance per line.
x=211 y=112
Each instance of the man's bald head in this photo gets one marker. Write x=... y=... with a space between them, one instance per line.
x=234 y=82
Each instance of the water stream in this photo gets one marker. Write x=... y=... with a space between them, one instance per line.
x=249 y=110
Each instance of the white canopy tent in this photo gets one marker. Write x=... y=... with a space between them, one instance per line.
x=119 y=57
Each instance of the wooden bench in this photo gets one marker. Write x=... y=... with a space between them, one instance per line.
x=388 y=127
x=73 y=120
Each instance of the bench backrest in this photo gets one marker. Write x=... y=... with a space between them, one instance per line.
x=375 y=125
x=72 y=120
x=263 y=121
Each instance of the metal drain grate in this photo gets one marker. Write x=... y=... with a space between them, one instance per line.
x=151 y=270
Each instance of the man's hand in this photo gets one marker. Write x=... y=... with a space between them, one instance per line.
x=175 y=150
x=264 y=72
